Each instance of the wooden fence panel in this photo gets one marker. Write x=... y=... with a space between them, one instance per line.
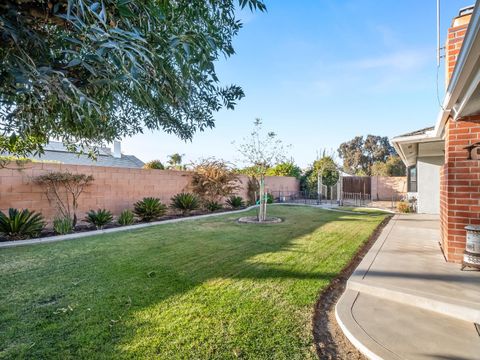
x=357 y=184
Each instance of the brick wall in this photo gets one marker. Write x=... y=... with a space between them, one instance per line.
x=459 y=186
x=386 y=188
x=456 y=34
x=115 y=189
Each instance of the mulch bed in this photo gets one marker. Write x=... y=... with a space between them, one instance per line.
x=330 y=342
x=83 y=227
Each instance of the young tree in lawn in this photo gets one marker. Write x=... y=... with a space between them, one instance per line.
x=89 y=72
x=260 y=152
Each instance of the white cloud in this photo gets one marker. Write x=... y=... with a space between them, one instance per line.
x=404 y=60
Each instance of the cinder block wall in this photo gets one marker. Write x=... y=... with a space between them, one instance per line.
x=387 y=188
x=114 y=189
x=459 y=186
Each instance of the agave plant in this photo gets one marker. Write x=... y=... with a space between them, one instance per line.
x=149 y=209
x=21 y=224
x=185 y=202
x=99 y=218
x=235 y=202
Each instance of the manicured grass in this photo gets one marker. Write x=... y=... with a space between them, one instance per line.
x=199 y=289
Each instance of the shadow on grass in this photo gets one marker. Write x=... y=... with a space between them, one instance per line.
x=78 y=299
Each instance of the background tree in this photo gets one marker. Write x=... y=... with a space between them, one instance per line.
x=175 y=161
x=394 y=166
x=326 y=168
x=154 y=165
x=89 y=72
x=260 y=152
x=288 y=168
x=359 y=155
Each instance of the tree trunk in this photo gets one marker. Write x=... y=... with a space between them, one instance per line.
x=262 y=215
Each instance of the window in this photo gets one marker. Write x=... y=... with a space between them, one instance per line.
x=412 y=179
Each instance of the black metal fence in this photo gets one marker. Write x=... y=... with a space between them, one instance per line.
x=356 y=199
x=346 y=198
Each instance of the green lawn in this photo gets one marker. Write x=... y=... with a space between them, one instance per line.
x=200 y=289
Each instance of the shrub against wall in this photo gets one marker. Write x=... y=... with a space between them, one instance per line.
x=21 y=224
x=214 y=179
x=63 y=190
x=115 y=189
x=154 y=165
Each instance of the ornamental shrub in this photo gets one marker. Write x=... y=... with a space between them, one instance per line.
x=99 y=218
x=185 y=202
x=126 y=217
x=21 y=224
x=63 y=225
x=235 y=202
x=149 y=209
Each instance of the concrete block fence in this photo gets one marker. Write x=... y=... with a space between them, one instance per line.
x=115 y=189
x=387 y=188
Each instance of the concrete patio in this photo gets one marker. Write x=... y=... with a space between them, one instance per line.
x=404 y=301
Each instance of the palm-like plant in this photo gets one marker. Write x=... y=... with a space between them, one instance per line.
x=185 y=202
x=212 y=205
x=99 y=218
x=149 y=209
x=235 y=202
x=21 y=224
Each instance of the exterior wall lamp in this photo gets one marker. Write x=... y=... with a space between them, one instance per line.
x=470 y=149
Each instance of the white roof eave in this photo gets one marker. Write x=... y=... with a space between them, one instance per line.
x=462 y=74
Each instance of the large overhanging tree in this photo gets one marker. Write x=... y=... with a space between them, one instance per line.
x=88 y=71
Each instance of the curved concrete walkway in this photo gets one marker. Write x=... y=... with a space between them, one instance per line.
x=405 y=302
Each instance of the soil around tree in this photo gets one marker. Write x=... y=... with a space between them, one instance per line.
x=254 y=220
x=330 y=342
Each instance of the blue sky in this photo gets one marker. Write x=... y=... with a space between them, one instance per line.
x=319 y=72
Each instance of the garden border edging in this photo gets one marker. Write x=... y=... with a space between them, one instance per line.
x=50 y=239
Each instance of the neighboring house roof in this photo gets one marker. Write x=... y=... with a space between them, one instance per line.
x=56 y=151
x=416 y=132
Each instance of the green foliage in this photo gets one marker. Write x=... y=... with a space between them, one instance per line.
x=328 y=170
x=212 y=205
x=126 y=217
x=86 y=72
x=154 y=165
x=20 y=162
x=149 y=209
x=63 y=225
x=214 y=179
x=99 y=218
x=270 y=198
x=214 y=271
x=21 y=224
x=185 y=202
x=285 y=169
x=175 y=161
x=260 y=151
x=393 y=166
x=63 y=189
x=359 y=155
x=235 y=202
